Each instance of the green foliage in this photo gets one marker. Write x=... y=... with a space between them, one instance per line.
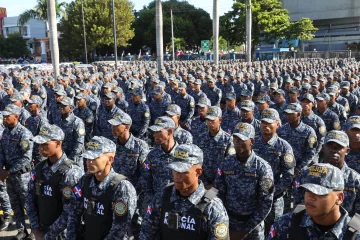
x=269 y=21
x=223 y=44
x=179 y=43
x=13 y=46
x=98 y=26
x=190 y=23
x=40 y=12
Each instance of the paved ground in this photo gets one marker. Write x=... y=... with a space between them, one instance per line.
x=11 y=232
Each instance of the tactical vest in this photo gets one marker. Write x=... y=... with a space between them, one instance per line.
x=299 y=233
x=99 y=209
x=48 y=192
x=184 y=225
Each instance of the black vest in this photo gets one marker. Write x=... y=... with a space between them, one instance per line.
x=48 y=192
x=299 y=233
x=186 y=225
x=99 y=209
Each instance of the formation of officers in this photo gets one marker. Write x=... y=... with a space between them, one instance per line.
x=237 y=151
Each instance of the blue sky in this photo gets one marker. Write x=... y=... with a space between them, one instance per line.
x=15 y=7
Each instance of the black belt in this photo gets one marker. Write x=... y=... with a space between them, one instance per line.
x=238 y=217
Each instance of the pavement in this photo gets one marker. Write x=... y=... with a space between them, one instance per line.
x=11 y=231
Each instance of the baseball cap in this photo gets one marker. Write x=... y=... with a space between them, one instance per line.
x=332 y=90
x=244 y=131
x=279 y=91
x=34 y=99
x=98 y=146
x=49 y=132
x=270 y=115
x=203 y=102
x=123 y=119
x=182 y=85
x=118 y=90
x=323 y=96
x=198 y=82
x=8 y=85
x=338 y=137
x=156 y=90
x=322 y=178
x=173 y=110
x=81 y=96
x=353 y=122
x=345 y=84
x=16 y=96
x=213 y=113
x=162 y=123
x=67 y=101
x=309 y=97
x=246 y=92
x=263 y=99
x=293 y=89
x=110 y=95
x=11 y=109
x=136 y=91
x=293 y=108
x=230 y=95
x=185 y=156
x=247 y=105
x=305 y=86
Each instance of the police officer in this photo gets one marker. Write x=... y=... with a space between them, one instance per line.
x=352 y=129
x=279 y=103
x=18 y=100
x=185 y=209
x=187 y=105
x=215 y=143
x=246 y=186
x=39 y=90
x=331 y=120
x=50 y=198
x=231 y=114
x=279 y=154
x=181 y=136
x=300 y=136
x=130 y=151
x=198 y=124
x=154 y=174
x=338 y=109
x=15 y=161
x=85 y=114
x=139 y=113
x=213 y=93
x=336 y=147
x=324 y=217
x=158 y=104
x=107 y=199
x=74 y=130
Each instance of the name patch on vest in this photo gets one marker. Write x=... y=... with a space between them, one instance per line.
x=188 y=223
x=99 y=208
x=47 y=190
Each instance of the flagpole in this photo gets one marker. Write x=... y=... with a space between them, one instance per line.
x=172 y=36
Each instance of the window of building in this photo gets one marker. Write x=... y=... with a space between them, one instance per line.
x=23 y=30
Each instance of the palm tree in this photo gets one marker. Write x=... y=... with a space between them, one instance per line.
x=159 y=36
x=40 y=12
x=53 y=36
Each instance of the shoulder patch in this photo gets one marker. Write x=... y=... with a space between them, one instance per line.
x=120 y=208
x=43 y=96
x=89 y=120
x=289 y=159
x=337 y=125
x=81 y=131
x=231 y=151
x=221 y=231
x=312 y=141
x=66 y=192
x=147 y=114
x=24 y=144
x=266 y=184
x=192 y=104
x=322 y=130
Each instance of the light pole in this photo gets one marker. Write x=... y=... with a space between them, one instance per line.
x=216 y=31
x=248 y=30
x=114 y=30
x=83 y=20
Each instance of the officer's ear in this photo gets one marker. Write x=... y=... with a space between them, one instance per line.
x=198 y=170
x=347 y=150
x=339 y=197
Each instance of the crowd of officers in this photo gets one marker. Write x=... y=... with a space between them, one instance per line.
x=269 y=149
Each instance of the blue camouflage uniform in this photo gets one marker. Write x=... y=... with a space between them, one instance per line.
x=102 y=127
x=15 y=156
x=187 y=105
x=140 y=115
x=182 y=136
x=214 y=95
x=230 y=116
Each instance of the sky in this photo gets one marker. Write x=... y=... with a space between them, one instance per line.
x=15 y=7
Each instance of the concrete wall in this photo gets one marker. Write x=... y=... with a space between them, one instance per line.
x=36 y=28
x=322 y=9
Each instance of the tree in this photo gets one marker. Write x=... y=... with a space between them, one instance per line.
x=223 y=44
x=179 y=43
x=190 y=23
x=13 y=46
x=40 y=12
x=270 y=22
x=98 y=22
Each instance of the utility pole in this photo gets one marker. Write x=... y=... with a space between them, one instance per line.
x=248 y=30
x=83 y=20
x=114 y=31
x=159 y=37
x=216 y=31
x=53 y=37
x=172 y=36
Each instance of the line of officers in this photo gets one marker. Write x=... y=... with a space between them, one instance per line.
x=123 y=189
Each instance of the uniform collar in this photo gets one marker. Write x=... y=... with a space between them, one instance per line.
x=218 y=135
x=272 y=140
x=71 y=116
x=56 y=165
x=14 y=130
x=104 y=183
x=194 y=198
x=299 y=127
x=249 y=160
x=178 y=129
x=130 y=142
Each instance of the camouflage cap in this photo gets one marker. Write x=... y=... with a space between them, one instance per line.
x=182 y=85
x=36 y=81
x=353 y=122
x=198 y=82
x=81 y=96
x=155 y=80
x=293 y=108
x=136 y=91
x=203 y=102
x=322 y=179
x=263 y=99
x=315 y=84
x=279 y=91
x=333 y=90
x=110 y=95
x=47 y=133
x=66 y=101
x=156 y=90
x=345 y=84
x=305 y=86
x=309 y=97
x=61 y=93
x=211 y=79
x=16 y=96
x=98 y=146
x=246 y=93
x=244 y=131
x=293 y=89
x=162 y=123
x=11 y=109
x=230 y=95
x=213 y=113
x=270 y=115
x=323 y=96
x=264 y=88
x=173 y=110
x=185 y=156
x=35 y=99
x=117 y=90
x=8 y=85
x=247 y=105
x=123 y=119
x=338 y=137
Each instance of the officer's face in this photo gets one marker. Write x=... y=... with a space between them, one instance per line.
x=81 y=102
x=293 y=97
x=65 y=109
x=279 y=98
x=262 y=106
x=213 y=125
x=10 y=120
x=230 y=104
x=332 y=99
x=335 y=154
x=161 y=136
x=247 y=115
x=268 y=128
x=186 y=180
x=292 y=117
x=202 y=111
x=354 y=136
x=241 y=146
x=109 y=102
x=98 y=164
x=318 y=206
x=344 y=91
x=136 y=98
x=211 y=84
x=307 y=106
x=118 y=130
x=49 y=148
x=33 y=108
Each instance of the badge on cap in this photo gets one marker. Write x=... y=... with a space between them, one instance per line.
x=120 y=208
x=43 y=96
x=66 y=192
x=221 y=231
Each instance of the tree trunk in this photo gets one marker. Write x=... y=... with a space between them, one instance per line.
x=159 y=36
x=53 y=37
